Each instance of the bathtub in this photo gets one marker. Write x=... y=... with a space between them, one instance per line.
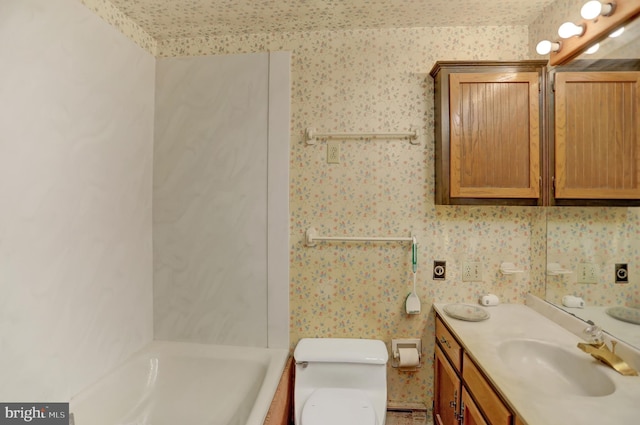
x=170 y=383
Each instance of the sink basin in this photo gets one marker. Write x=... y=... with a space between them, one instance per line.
x=554 y=370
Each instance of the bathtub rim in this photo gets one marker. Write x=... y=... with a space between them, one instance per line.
x=275 y=360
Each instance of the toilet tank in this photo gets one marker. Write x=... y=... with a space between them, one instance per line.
x=341 y=363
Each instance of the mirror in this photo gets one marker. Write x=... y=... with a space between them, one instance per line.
x=578 y=237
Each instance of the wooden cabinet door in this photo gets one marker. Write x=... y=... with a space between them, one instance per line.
x=494 y=135
x=597 y=135
x=469 y=412
x=446 y=391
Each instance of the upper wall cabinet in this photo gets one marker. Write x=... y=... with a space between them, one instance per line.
x=597 y=136
x=513 y=133
x=488 y=132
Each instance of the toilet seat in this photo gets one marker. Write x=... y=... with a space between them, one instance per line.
x=338 y=406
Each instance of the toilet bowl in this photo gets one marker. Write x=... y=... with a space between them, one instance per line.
x=340 y=381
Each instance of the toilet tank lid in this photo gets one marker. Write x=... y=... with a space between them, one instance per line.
x=341 y=350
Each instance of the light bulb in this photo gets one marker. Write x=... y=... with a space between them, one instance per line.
x=591 y=50
x=617 y=33
x=569 y=29
x=593 y=9
x=545 y=47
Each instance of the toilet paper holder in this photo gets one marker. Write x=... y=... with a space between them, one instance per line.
x=406 y=343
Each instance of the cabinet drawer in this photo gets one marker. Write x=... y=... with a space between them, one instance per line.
x=486 y=398
x=449 y=345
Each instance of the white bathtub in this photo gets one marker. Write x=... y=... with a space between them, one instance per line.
x=171 y=383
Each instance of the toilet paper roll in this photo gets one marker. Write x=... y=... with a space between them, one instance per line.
x=409 y=357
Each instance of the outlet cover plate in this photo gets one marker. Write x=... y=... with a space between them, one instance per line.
x=471 y=271
x=333 y=152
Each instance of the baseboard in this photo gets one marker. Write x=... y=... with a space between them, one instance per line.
x=402 y=406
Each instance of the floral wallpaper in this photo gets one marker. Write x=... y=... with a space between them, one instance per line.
x=352 y=80
x=173 y=19
x=377 y=80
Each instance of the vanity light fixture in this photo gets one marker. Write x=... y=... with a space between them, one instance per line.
x=569 y=29
x=600 y=19
x=617 y=33
x=545 y=47
x=593 y=9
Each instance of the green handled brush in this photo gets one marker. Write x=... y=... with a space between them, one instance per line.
x=412 y=303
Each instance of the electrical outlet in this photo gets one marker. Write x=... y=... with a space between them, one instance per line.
x=622 y=273
x=439 y=270
x=333 y=152
x=587 y=273
x=471 y=271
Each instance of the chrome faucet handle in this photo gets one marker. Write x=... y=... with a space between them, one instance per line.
x=594 y=334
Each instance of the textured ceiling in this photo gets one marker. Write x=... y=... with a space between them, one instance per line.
x=170 y=19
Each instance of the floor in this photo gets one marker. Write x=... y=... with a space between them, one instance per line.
x=400 y=417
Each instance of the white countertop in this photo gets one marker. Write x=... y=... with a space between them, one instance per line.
x=515 y=321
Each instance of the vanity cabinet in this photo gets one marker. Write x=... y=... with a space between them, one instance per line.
x=596 y=135
x=462 y=394
x=488 y=132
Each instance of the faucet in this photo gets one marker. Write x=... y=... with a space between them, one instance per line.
x=599 y=350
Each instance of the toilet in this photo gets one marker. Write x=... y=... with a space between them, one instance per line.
x=340 y=381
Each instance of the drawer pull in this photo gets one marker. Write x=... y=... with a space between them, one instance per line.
x=444 y=341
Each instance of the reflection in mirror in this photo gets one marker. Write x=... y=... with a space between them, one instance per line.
x=591 y=243
x=588 y=243
x=623 y=45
